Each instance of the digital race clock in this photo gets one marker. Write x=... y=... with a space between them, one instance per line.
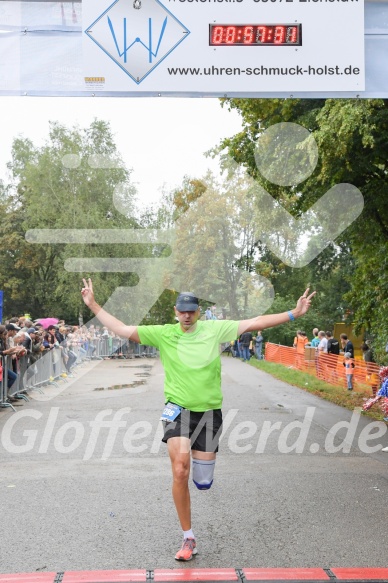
x=253 y=35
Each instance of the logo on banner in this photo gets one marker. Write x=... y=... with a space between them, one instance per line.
x=137 y=36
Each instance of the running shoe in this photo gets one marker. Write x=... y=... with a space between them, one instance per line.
x=187 y=551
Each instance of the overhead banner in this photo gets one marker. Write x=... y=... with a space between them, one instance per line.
x=238 y=48
x=223 y=46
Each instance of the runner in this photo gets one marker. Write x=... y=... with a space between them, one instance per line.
x=192 y=417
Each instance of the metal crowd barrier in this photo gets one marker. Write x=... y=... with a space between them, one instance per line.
x=107 y=347
x=50 y=367
x=4 y=384
x=46 y=370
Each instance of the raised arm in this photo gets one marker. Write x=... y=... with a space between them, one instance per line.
x=270 y=320
x=105 y=318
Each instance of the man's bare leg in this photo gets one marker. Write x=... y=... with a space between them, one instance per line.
x=179 y=452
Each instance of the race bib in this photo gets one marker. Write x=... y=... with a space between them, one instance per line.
x=170 y=412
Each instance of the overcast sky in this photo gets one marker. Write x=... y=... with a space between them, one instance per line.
x=162 y=139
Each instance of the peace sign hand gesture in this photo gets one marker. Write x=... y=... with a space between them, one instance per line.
x=87 y=292
x=304 y=302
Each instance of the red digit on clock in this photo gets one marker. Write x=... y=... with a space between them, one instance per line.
x=217 y=35
x=261 y=34
x=280 y=34
x=248 y=35
x=293 y=34
x=230 y=35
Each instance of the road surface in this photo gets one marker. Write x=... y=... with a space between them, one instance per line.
x=292 y=488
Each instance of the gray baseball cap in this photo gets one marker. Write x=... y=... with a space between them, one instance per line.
x=187 y=302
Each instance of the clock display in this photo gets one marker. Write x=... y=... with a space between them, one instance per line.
x=248 y=35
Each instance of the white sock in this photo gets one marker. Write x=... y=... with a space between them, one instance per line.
x=188 y=534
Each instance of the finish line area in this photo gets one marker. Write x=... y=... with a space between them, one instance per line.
x=99 y=512
x=313 y=575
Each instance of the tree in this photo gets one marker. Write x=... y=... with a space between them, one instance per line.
x=69 y=183
x=214 y=249
x=351 y=137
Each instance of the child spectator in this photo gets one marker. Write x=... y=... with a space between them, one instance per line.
x=300 y=342
x=315 y=341
x=349 y=366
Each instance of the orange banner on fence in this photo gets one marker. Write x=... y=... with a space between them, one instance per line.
x=327 y=367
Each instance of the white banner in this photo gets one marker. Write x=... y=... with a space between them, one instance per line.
x=223 y=46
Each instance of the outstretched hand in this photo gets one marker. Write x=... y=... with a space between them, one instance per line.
x=87 y=292
x=304 y=302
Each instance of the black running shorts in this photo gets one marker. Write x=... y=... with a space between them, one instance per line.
x=203 y=429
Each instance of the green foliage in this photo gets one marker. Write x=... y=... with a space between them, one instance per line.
x=352 y=137
x=285 y=333
x=48 y=192
x=216 y=224
x=162 y=312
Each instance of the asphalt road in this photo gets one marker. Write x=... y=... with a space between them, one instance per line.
x=292 y=487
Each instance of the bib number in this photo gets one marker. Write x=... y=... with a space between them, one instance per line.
x=170 y=412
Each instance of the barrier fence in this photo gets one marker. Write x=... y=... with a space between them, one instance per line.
x=327 y=367
x=108 y=347
x=20 y=376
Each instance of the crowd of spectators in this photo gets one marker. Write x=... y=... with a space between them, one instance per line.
x=24 y=340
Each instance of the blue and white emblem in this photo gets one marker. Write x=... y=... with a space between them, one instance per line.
x=137 y=35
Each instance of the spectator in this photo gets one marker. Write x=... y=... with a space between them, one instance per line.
x=20 y=340
x=50 y=339
x=51 y=342
x=349 y=366
x=68 y=355
x=322 y=346
x=259 y=345
x=333 y=348
x=295 y=343
x=371 y=374
x=347 y=345
x=12 y=327
x=37 y=345
x=32 y=344
x=315 y=341
x=367 y=353
x=4 y=351
x=12 y=330
x=246 y=339
x=27 y=342
x=321 y=350
x=235 y=348
x=59 y=333
x=91 y=338
x=300 y=342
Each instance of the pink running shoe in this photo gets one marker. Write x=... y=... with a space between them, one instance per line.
x=187 y=551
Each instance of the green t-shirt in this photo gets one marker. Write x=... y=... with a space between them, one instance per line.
x=191 y=361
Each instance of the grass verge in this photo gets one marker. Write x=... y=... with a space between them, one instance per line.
x=307 y=382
